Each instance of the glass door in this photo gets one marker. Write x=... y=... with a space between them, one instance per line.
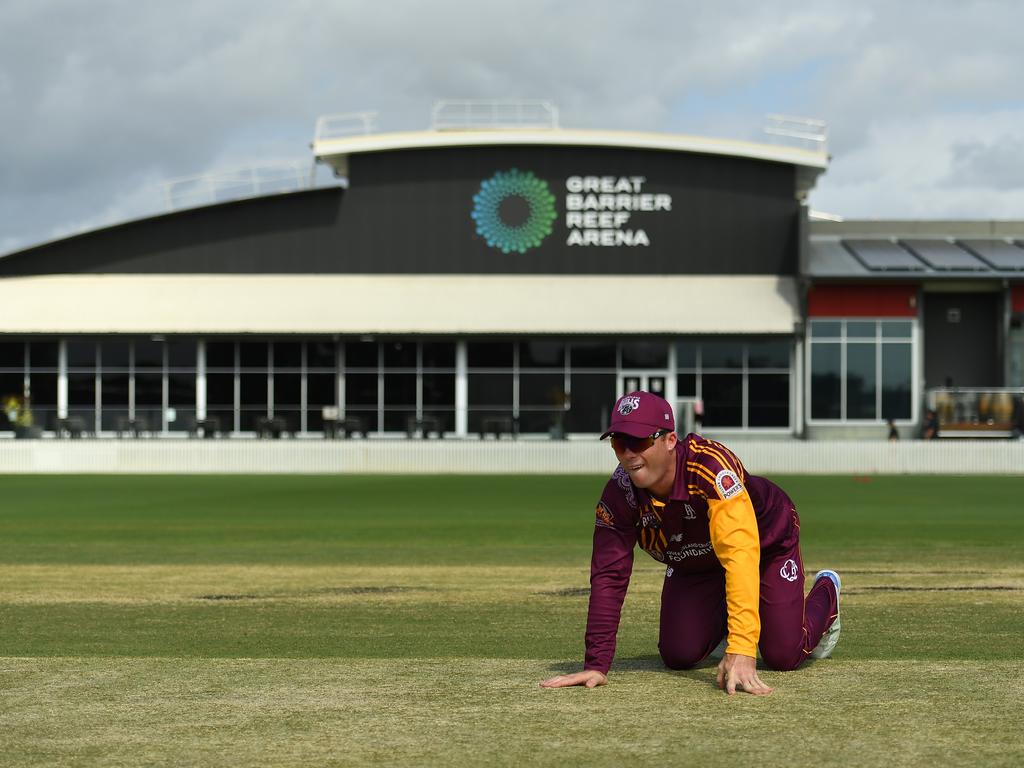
x=649 y=381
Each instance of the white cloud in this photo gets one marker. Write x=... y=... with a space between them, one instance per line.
x=99 y=100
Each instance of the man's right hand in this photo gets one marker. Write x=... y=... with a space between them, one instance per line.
x=589 y=677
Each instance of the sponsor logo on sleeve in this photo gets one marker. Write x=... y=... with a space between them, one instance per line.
x=728 y=484
x=789 y=570
x=604 y=516
x=629 y=404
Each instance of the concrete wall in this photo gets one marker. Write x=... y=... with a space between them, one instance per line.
x=489 y=456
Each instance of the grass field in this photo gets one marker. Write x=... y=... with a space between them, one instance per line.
x=394 y=620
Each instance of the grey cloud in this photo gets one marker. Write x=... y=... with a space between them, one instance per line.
x=998 y=164
x=98 y=100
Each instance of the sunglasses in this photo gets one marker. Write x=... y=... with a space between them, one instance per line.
x=621 y=443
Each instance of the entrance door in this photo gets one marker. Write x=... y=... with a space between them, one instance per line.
x=647 y=381
x=960 y=340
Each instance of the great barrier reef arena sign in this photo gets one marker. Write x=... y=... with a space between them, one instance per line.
x=515 y=210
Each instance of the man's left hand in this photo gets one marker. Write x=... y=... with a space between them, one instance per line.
x=739 y=673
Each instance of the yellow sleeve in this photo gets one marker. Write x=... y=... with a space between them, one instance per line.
x=735 y=540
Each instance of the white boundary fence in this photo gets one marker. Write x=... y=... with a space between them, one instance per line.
x=953 y=457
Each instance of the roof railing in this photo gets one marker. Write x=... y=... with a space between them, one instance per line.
x=344 y=125
x=805 y=132
x=236 y=184
x=493 y=114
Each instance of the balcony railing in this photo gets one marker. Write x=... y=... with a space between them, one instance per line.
x=990 y=412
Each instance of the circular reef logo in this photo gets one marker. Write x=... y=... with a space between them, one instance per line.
x=514 y=211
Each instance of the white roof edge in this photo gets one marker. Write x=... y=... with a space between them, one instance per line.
x=382 y=142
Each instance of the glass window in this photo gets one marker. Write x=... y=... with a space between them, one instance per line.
x=287 y=355
x=149 y=353
x=181 y=389
x=591 y=400
x=149 y=389
x=399 y=419
x=438 y=355
x=81 y=354
x=723 y=400
x=43 y=354
x=896 y=381
x=860 y=329
x=114 y=391
x=826 y=329
x=897 y=329
x=398 y=354
x=82 y=389
x=594 y=354
x=252 y=389
x=181 y=353
x=826 y=385
x=543 y=422
x=12 y=354
x=220 y=354
x=645 y=354
x=721 y=354
x=399 y=389
x=769 y=354
x=43 y=387
x=860 y=381
x=361 y=389
x=489 y=354
x=115 y=355
x=321 y=354
x=542 y=354
x=542 y=389
x=253 y=355
x=11 y=384
x=287 y=389
x=361 y=354
x=439 y=389
x=686 y=385
x=322 y=389
x=769 y=400
x=686 y=355
x=490 y=390
x=220 y=389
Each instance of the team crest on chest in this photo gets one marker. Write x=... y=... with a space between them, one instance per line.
x=629 y=404
x=690 y=514
x=728 y=484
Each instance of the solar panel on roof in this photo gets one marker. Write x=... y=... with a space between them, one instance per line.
x=943 y=255
x=883 y=256
x=999 y=253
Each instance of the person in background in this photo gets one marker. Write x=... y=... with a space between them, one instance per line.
x=931 y=425
x=894 y=434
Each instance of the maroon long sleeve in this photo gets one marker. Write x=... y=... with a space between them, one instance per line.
x=610 y=568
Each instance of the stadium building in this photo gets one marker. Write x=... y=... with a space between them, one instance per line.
x=506 y=276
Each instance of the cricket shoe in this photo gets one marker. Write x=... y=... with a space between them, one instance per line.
x=828 y=640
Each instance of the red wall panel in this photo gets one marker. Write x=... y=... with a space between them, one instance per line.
x=862 y=301
x=1018 y=299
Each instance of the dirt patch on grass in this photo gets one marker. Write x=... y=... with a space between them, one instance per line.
x=565 y=592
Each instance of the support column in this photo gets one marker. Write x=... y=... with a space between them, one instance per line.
x=461 y=390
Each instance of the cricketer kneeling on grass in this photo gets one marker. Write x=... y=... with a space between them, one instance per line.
x=730 y=542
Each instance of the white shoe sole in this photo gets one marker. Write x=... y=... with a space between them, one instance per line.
x=828 y=641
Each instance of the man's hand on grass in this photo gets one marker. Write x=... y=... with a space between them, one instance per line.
x=739 y=673
x=591 y=678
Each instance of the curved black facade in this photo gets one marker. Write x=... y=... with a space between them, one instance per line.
x=613 y=211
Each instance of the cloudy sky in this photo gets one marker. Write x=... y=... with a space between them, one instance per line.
x=103 y=101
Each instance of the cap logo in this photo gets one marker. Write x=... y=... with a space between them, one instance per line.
x=629 y=404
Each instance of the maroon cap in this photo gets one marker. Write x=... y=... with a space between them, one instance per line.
x=640 y=414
